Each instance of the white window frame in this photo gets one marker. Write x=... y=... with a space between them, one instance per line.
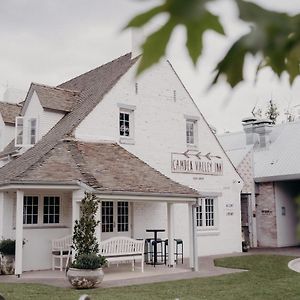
x=127 y=109
x=49 y=214
x=205 y=211
x=23 y=131
x=194 y=121
x=40 y=221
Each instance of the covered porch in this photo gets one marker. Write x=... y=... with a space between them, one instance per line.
x=120 y=214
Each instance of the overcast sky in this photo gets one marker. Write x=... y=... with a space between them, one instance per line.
x=50 y=41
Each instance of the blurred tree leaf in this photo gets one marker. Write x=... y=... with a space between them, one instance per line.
x=273 y=35
x=192 y=14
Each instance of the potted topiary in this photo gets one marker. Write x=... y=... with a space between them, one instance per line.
x=7 y=250
x=86 y=269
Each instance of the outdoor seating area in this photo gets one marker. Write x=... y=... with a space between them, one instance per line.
x=156 y=249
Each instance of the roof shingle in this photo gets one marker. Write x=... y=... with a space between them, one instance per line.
x=104 y=166
x=9 y=112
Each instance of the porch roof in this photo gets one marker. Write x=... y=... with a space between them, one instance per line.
x=106 y=167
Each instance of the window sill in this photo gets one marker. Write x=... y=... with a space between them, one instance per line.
x=126 y=140
x=191 y=147
x=46 y=226
x=206 y=232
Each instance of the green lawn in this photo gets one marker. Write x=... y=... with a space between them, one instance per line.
x=268 y=278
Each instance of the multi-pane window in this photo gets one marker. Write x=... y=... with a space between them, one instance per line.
x=30 y=209
x=32 y=129
x=26 y=131
x=191 y=132
x=125 y=123
x=107 y=216
x=206 y=213
x=123 y=216
x=51 y=210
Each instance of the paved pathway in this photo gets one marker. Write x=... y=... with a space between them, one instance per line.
x=122 y=277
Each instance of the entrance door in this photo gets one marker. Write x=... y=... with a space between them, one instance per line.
x=115 y=219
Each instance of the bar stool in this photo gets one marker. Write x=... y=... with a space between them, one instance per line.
x=177 y=252
x=148 y=250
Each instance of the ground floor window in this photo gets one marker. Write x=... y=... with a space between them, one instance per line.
x=51 y=210
x=38 y=210
x=115 y=216
x=30 y=210
x=206 y=213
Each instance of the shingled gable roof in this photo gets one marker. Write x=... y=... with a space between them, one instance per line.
x=9 y=112
x=108 y=75
x=54 y=98
x=106 y=167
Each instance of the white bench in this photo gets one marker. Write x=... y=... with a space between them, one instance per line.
x=123 y=249
x=61 y=249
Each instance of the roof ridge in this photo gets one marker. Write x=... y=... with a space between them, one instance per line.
x=13 y=104
x=55 y=87
x=85 y=73
x=79 y=160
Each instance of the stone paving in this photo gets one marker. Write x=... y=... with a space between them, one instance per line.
x=123 y=276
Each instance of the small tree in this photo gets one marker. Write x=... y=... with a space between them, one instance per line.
x=84 y=238
x=272 y=112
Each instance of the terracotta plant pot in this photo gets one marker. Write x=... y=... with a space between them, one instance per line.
x=85 y=278
x=7 y=265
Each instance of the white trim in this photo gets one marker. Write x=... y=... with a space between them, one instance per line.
x=126 y=107
x=19 y=233
x=1 y=214
x=133 y=198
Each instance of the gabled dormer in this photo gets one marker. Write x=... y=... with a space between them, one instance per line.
x=43 y=107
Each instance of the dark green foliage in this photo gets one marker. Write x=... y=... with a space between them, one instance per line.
x=8 y=247
x=89 y=261
x=274 y=36
x=84 y=237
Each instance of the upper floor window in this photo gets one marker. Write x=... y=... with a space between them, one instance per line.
x=26 y=131
x=126 y=123
x=191 y=132
x=206 y=214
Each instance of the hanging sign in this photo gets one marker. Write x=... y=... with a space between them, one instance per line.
x=194 y=162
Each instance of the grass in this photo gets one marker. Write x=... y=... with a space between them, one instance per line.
x=268 y=278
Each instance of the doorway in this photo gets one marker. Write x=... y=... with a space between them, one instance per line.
x=115 y=219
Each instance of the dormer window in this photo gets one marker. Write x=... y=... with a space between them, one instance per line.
x=26 y=131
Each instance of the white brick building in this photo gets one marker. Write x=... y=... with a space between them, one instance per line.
x=139 y=144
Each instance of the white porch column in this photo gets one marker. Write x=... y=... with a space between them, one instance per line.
x=170 y=212
x=191 y=235
x=99 y=227
x=19 y=233
x=77 y=196
x=194 y=239
x=1 y=214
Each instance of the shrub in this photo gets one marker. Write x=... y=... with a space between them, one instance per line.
x=8 y=247
x=89 y=261
x=84 y=236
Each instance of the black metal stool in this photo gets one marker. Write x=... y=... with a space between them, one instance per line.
x=177 y=251
x=149 y=250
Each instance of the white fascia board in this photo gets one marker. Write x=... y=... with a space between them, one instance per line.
x=145 y=198
x=8 y=187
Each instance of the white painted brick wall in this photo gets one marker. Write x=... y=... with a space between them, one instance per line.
x=159 y=131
